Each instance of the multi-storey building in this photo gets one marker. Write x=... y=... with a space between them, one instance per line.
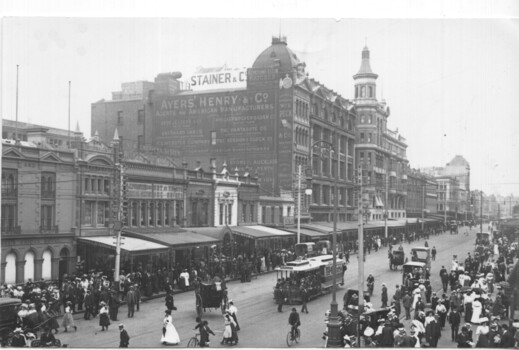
x=379 y=151
x=38 y=209
x=422 y=194
x=269 y=126
x=448 y=198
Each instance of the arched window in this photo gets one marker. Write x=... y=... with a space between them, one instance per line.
x=10 y=268
x=29 y=266
x=46 y=267
x=370 y=91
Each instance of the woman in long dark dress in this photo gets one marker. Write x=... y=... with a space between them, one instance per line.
x=104 y=320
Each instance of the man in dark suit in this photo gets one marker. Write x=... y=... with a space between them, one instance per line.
x=454 y=320
x=89 y=305
x=507 y=340
x=124 y=337
x=407 y=301
x=130 y=301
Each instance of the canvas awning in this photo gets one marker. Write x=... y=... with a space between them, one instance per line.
x=379 y=201
x=310 y=233
x=135 y=246
x=259 y=232
x=176 y=239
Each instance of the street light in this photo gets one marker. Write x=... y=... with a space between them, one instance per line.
x=334 y=339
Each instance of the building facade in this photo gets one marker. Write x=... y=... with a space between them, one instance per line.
x=379 y=151
x=38 y=211
x=448 y=197
x=267 y=127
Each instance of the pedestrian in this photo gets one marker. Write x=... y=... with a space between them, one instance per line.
x=454 y=320
x=18 y=340
x=432 y=330
x=419 y=306
x=396 y=304
x=441 y=311
x=304 y=299
x=113 y=305
x=47 y=339
x=433 y=253
x=124 y=337
x=89 y=305
x=170 y=303
x=204 y=334
x=68 y=319
x=137 y=296
x=233 y=311
x=280 y=298
x=384 y=295
x=407 y=302
x=130 y=301
x=104 y=320
x=169 y=332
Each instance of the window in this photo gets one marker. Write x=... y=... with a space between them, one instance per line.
x=88 y=213
x=221 y=213
x=166 y=214
x=47 y=215
x=133 y=212
x=251 y=213
x=272 y=215
x=244 y=212
x=160 y=213
x=326 y=195
x=289 y=211
x=8 y=221
x=213 y=137
x=263 y=214
x=140 y=116
x=229 y=214
x=281 y=214
x=101 y=211
x=369 y=119
x=361 y=137
x=120 y=120
x=143 y=214
x=140 y=141
x=151 y=215
x=362 y=119
x=316 y=194
x=9 y=183
x=369 y=137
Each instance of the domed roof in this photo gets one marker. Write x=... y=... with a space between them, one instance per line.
x=277 y=52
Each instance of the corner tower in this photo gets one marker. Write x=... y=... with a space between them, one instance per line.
x=365 y=79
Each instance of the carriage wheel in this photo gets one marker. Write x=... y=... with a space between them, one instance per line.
x=199 y=305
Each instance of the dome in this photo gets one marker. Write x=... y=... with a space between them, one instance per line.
x=278 y=52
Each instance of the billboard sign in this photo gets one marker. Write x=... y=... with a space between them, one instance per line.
x=219 y=79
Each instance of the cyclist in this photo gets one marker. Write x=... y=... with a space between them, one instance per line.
x=294 y=321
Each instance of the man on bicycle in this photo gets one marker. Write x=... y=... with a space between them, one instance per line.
x=294 y=321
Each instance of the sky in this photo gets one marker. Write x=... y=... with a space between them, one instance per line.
x=451 y=83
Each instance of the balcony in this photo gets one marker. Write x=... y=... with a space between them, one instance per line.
x=49 y=229
x=392 y=173
x=9 y=193
x=11 y=230
x=48 y=194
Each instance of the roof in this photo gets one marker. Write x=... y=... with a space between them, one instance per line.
x=309 y=233
x=174 y=238
x=258 y=231
x=129 y=244
x=458 y=161
x=277 y=52
x=365 y=67
x=415 y=263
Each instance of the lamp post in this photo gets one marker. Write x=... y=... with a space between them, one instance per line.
x=333 y=321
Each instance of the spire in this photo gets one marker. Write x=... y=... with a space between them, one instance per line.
x=116 y=135
x=365 y=67
x=77 y=127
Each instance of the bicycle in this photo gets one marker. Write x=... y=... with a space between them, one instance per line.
x=293 y=339
x=194 y=342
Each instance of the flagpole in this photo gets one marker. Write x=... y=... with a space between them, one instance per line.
x=16 y=126
x=69 y=143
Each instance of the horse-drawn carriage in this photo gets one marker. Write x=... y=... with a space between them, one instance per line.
x=210 y=294
x=396 y=258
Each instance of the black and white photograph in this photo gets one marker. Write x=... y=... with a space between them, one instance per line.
x=284 y=176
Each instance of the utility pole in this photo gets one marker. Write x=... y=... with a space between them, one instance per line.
x=386 y=205
x=360 y=255
x=16 y=127
x=299 y=175
x=445 y=206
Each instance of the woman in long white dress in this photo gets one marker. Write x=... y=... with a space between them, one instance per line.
x=169 y=332
x=476 y=311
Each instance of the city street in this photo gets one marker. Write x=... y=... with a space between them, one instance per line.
x=261 y=325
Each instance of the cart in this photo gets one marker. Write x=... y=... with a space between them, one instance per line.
x=210 y=295
x=396 y=258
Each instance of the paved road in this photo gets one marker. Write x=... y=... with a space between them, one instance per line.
x=262 y=326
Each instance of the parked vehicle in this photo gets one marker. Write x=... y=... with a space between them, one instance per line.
x=396 y=258
x=8 y=317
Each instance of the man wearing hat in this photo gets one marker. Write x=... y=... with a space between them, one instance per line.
x=407 y=301
x=131 y=301
x=123 y=336
x=89 y=305
x=386 y=338
x=507 y=340
x=454 y=320
x=47 y=339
